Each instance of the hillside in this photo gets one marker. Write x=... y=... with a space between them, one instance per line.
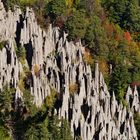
x=69 y=70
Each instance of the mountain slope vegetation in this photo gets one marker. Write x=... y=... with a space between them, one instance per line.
x=110 y=31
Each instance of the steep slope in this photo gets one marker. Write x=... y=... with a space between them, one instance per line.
x=56 y=63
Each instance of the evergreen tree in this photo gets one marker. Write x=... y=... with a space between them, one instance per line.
x=119 y=81
x=76 y=24
x=65 y=130
x=95 y=37
x=126 y=13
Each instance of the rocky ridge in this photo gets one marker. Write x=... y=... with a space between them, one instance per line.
x=91 y=111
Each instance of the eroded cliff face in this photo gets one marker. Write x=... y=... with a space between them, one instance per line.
x=91 y=111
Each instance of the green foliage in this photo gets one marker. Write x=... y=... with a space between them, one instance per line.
x=65 y=130
x=59 y=129
x=21 y=83
x=2 y=44
x=103 y=36
x=21 y=54
x=6 y=101
x=50 y=128
x=56 y=8
x=21 y=119
x=119 y=81
x=95 y=37
x=27 y=2
x=50 y=100
x=9 y=4
x=28 y=102
x=27 y=97
x=76 y=24
x=126 y=13
x=12 y=112
x=3 y=134
x=38 y=131
x=92 y=7
x=54 y=128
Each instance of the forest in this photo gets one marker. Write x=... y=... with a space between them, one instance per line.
x=110 y=31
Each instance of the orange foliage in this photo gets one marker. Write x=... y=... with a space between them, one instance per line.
x=112 y=31
x=118 y=37
x=127 y=36
x=135 y=83
x=109 y=29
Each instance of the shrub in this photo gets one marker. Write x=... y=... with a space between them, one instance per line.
x=21 y=54
x=88 y=58
x=41 y=20
x=50 y=100
x=2 y=44
x=36 y=69
x=59 y=22
x=73 y=88
x=21 y=83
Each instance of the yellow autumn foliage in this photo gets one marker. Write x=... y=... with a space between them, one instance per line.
x=36 y=69
x=103 y=66
x=88 y=58
x=73 y=88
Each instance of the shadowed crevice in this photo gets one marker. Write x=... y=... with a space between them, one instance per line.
x=20 y=25
x=29 y=53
